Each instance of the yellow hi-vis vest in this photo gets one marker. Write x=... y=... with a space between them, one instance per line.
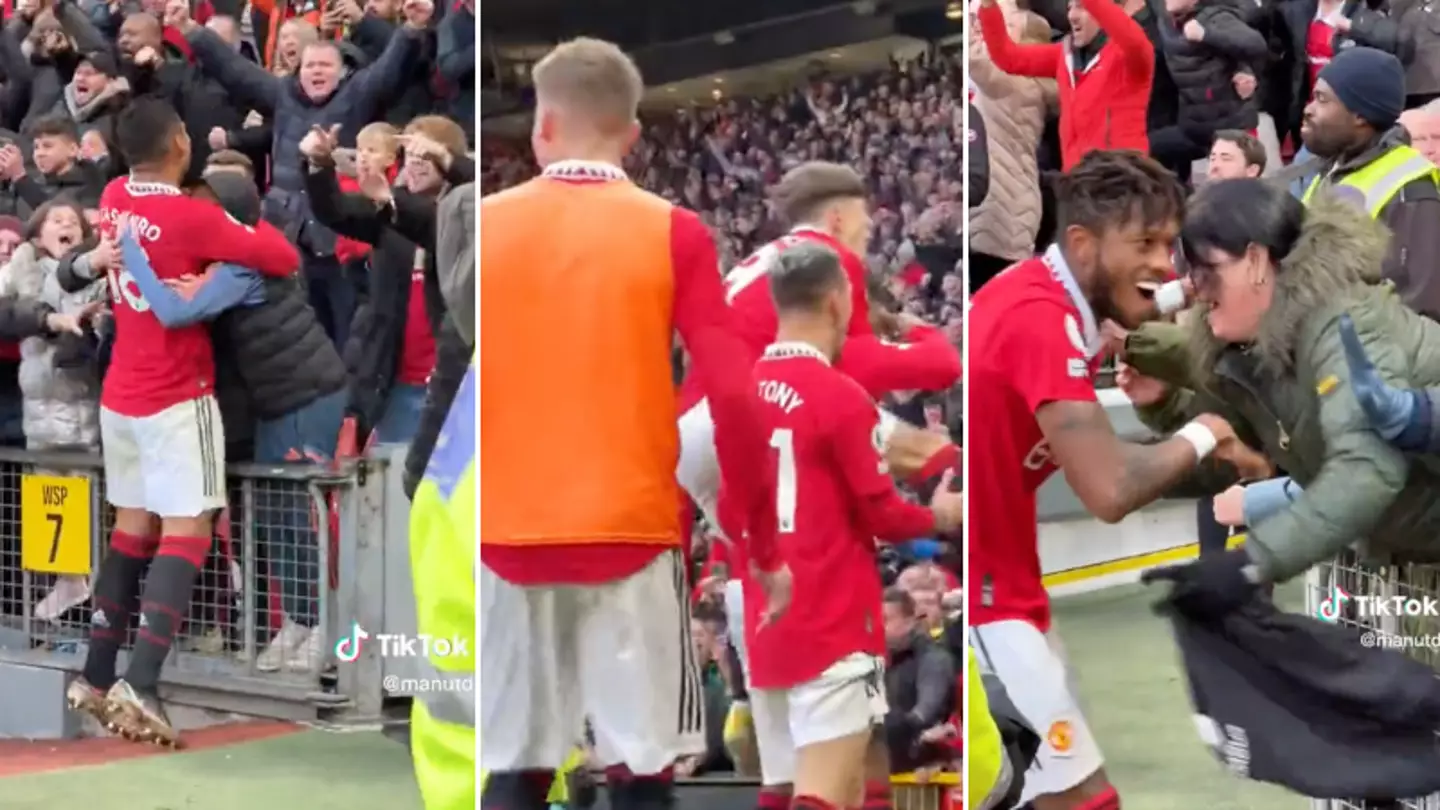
x=442 y=549
x=1382 y=178
x=984 y=750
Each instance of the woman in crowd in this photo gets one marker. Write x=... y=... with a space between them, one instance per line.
x=59 y=374
x=1274 y=281
x=60 y=381
x=1003 y=227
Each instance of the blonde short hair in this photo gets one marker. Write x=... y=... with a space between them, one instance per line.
x=592 y=77
x=385 y=136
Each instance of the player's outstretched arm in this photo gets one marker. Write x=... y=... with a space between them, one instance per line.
x=1113 y=477
x=262 y=248
x=722 y=361
x=228 y=287
x=930 y=363
x=859 y=451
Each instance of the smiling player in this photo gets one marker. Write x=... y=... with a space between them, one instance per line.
x=1036 y=350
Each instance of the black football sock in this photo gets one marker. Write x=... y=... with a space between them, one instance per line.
x=117 y=595
x=163 y=605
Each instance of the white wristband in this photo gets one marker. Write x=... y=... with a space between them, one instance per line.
x=1199 y=438
x=1170 y=297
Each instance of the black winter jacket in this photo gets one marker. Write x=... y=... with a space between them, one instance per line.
x=411 y=218
x=372 y=36
x=38 y=81
x=1203 y=71
x=81 y=183
x=452 y=360
x=281 y=353
x=920 y=688
x=373 y=351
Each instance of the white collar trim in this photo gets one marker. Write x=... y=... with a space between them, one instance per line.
x=794 y=348
x=584 y=170
x=140 y=188
x=1060 y=271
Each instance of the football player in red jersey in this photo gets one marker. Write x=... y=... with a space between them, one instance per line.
x=826 y=204
x=816 y=671
x=1035 y=352
x=164 y=445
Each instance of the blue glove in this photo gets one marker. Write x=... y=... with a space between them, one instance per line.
x=1401 y=417
x=924 y=549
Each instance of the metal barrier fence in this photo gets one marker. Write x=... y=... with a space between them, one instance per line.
x=1353 y=577
x=941 y=791
x=303 y=556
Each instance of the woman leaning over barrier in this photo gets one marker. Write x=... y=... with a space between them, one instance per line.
x=1264 y=349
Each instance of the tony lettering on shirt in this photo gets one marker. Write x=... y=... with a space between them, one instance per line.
x=780 y=395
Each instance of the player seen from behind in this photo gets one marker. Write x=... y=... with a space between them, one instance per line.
x=817 y=670
x=1035 y=350
x=159 y=422
x=583 y=601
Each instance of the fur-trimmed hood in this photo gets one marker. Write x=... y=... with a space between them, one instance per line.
x=1337 y=258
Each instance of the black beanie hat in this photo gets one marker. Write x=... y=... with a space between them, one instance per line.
x=1370 y=83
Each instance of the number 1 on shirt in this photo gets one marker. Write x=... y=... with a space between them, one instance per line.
x=783 y=440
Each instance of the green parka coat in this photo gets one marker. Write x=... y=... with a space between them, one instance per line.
x=1288 y=395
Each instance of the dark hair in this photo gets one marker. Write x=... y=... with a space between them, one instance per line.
x=37 y=219
x=144 y=129
x=901 y=599
x=55 y=125
x=1231 y=215
x=230 y=159
x=804 y=274
x=102 y=62
x=1111 y=188
x=1250 y=147
x=807 y=188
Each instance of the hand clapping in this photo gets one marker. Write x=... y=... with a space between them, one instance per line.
x=318 y=146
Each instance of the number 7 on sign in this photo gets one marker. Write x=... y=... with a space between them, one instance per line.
x=59 y=521
x=55 y=524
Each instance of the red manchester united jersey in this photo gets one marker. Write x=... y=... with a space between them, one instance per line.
x=926 y=361
x=152 y=367
x=1033 y=340
x=833 y=497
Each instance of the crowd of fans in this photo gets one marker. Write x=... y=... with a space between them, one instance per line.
x=1174 y=78
x=901 y=128
x=342 y=125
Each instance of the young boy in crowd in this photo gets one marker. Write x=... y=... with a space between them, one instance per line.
x=56 y=153
x=377 y=147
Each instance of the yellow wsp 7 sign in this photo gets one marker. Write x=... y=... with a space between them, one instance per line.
x=55 y=524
